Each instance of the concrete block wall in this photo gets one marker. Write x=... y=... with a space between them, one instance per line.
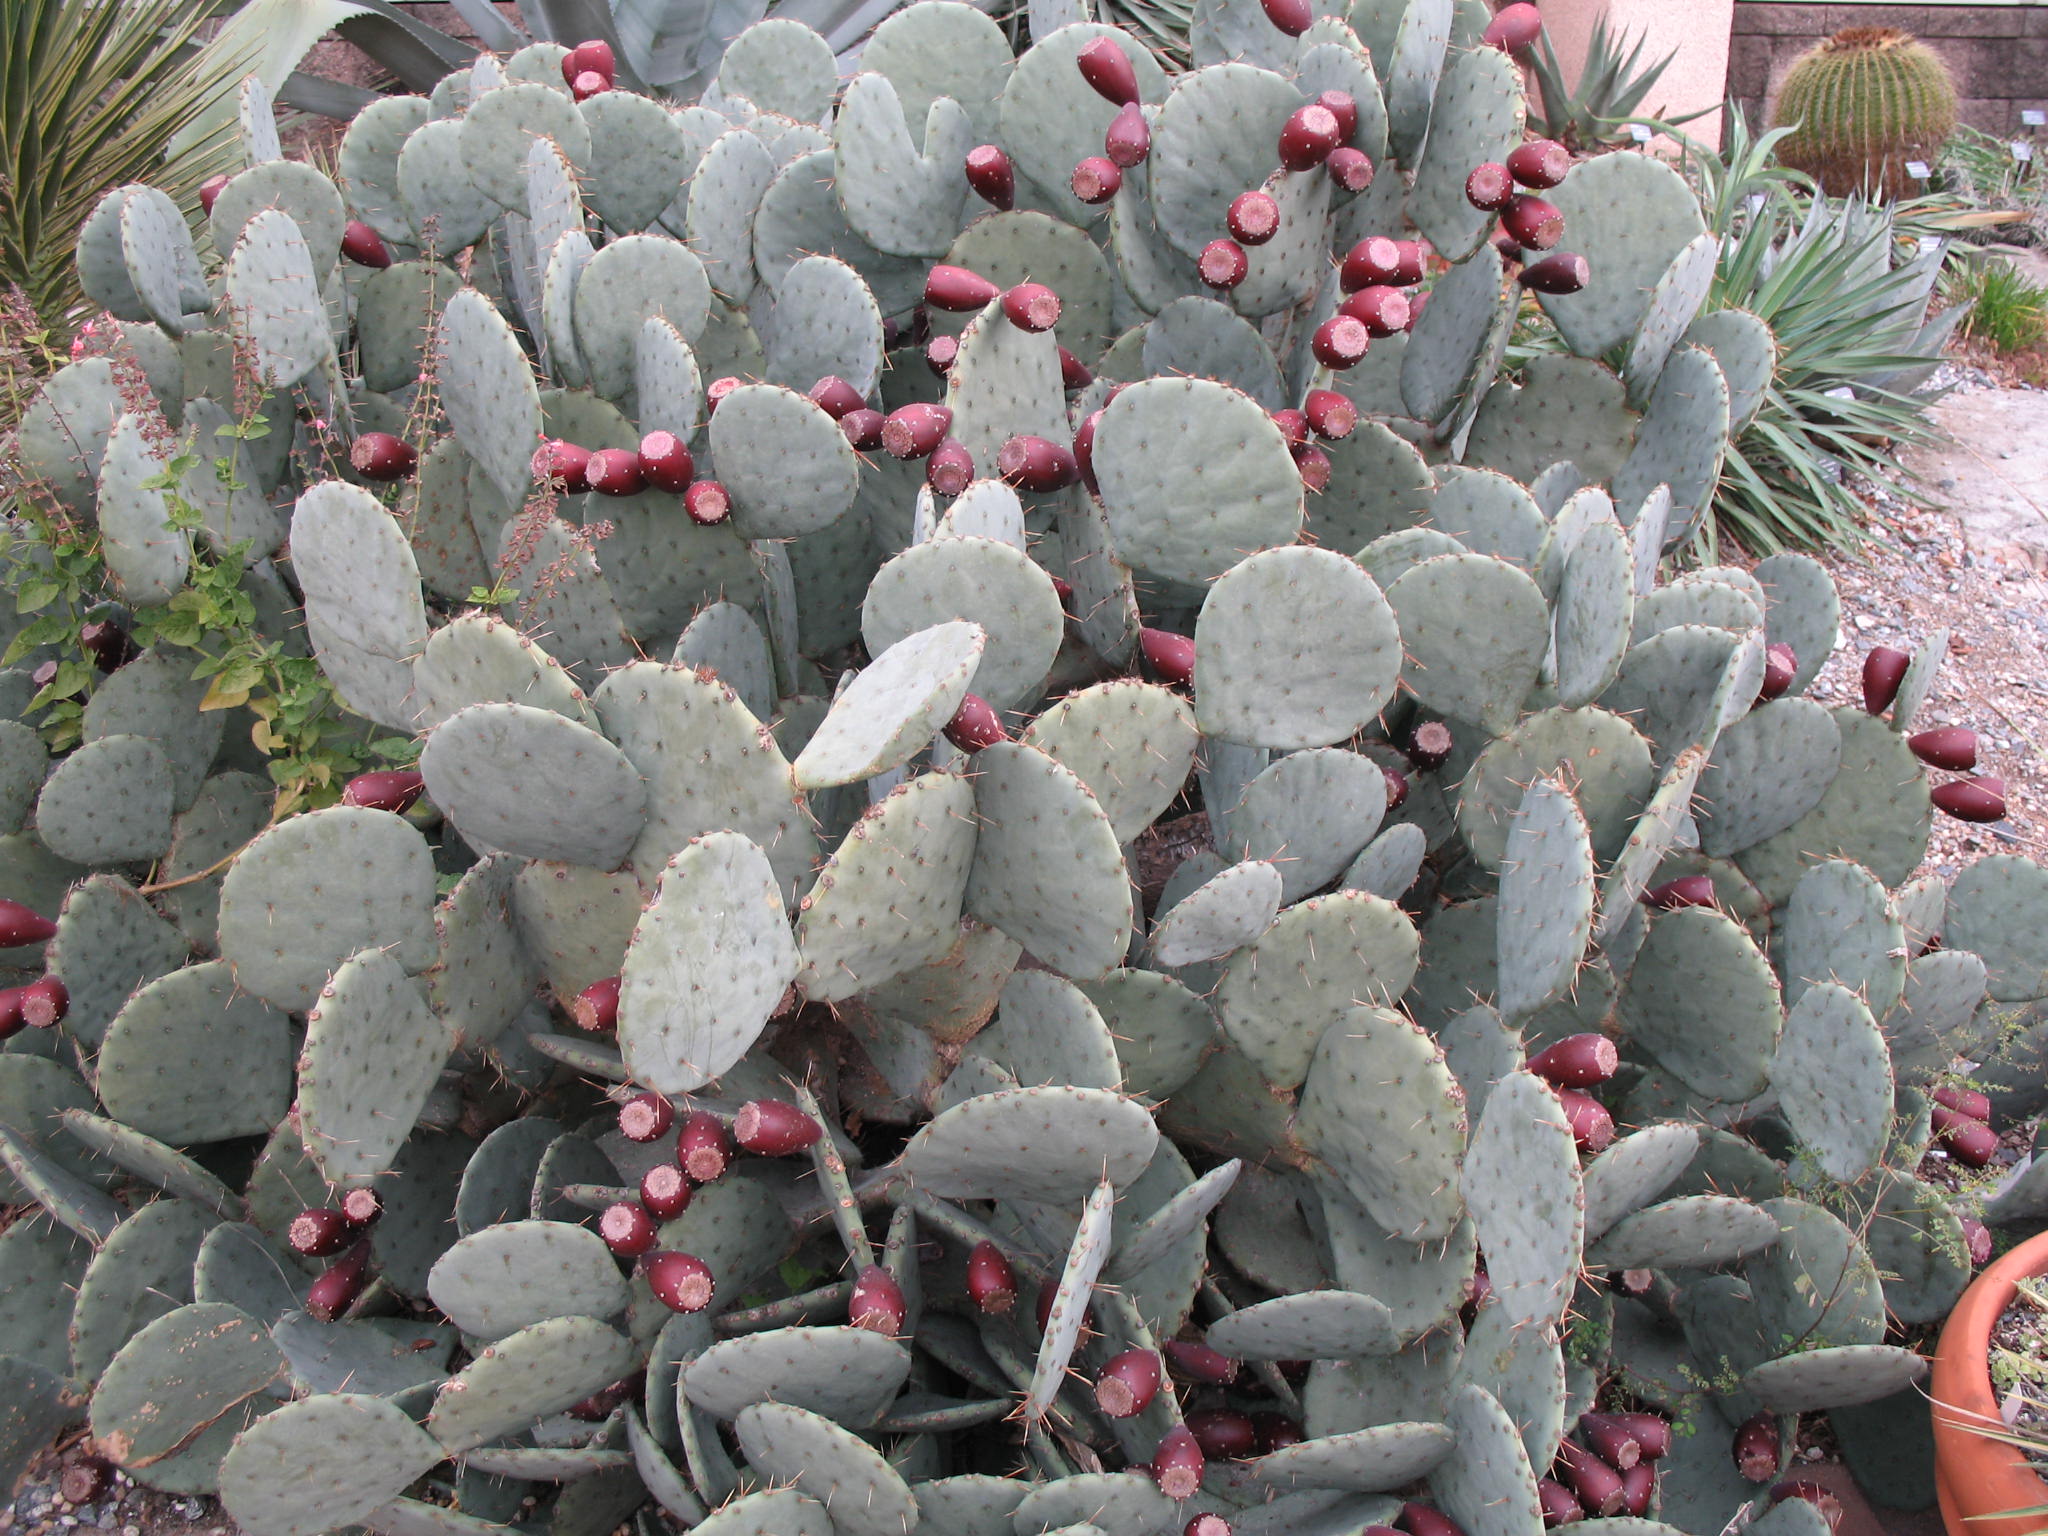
x=1998 y=53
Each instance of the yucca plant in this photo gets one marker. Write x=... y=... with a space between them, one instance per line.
x=1614 y=81
x=91 y=96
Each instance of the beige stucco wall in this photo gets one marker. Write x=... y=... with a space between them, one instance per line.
x=1698 y=29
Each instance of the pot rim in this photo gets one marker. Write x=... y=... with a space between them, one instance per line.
x=1976 y=1477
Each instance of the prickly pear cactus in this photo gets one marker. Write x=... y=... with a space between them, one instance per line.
x=1067 y=869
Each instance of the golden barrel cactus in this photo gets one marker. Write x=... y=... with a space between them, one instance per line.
x=1867 y=101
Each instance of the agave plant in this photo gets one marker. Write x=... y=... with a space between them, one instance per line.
x=1614 y=80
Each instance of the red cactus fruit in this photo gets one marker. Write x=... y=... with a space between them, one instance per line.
x=1970 y=1142
x=1514 y=27
x=362 y=1207
x=615 y=472
x=1293 y=17
x=716 y=391
x=665 y=462
x=1032 y=307
x=1381 y=309
x=1596 y=1485
x=1206 y=1525
x=562 y=465
x=1350 y=168
x=1560 y=272
x=1084 y=448
x=1884 y=668
x=1178 y=1464
x=319 y=1233
x=1578 y=1061
x=1781 y=665
x=1308 y=136
x=1979 y=799
x=1128 y=139
x=381 y=457
x=665 y=1191
x=863 y=428
x=975 y=725
x=1315 y=468
x=1953 y=747
x=703 y=1147
x=835 y=397
x=209 y=191
x=1592 y=1126
x=1223 y=1434
x=393 y=789
x=1170 y=656
x=1096 y=179
x=957 y=289
x=646 y=1117
x=1755 y=1447
x=596 y=1007
x=1609 y=1439
x=1638 y=1487
x=110 y=645
x=992 y=176
x=682 y=1282
x=1127 y=1383
x=1293 y=426
x=1036 y=464
x=939 y=353
x=950 y=469
x=1330 y=415
x=1276 y=1431
x=1343 y=106
x=1490 y=186
x=1539 y=164
x=604 y=1402
x=774 y=1128
x=1340 y=341
x=338 y=1286
x=1423 y=1520
x=1253 y=218
x=593 y=56
x=1977 y=1238
x=1820 y=1498
x=1397 y=788
x=1965 y=1101
x=1200 y=1363
x=1373 y=261
x=1106 y=67
x=707 y=502
x=44 y=1002
x=1534 y=221
x=627 y=1229
x=364 y=246
x=1560 y=1507
x=913 y=431
x=1429 y=746
x=588 y=84
x=1223 y=264
x=991 y=1282
x=1686 y=891
x=878 y=1303
x=1074 y=374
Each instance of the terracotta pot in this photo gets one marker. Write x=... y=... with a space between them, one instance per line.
x=1975 y=1476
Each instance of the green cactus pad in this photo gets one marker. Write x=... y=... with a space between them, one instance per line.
x=364 y=611
x=1396 y=1152
x=1839 y=927
x=1031 y=1143
x=1522 y=1184
x=889 y=899
x=905 y=199
x=1313 y=1325
x=1161 y=1029
x=1047 y=1031
x=291 y=185
x=497 y=1186
x=1371 y=1460
x=576 y=921
x=1201 y=338
x=368 y=161
x=374 y=1051
x=1523 y=1369
x=1130 y=743
x=1047 y=868
x=1291 y=687
x=1817 y=1284
x=725 y=192
x=273 y=299
x=1320 y=959
x=109 y=943
x=1486 y=1483
x=1166 y=446
x=1918 y=684
x=865 y=1494
x=488 y=390
x=1800 y=610
x=160 y=261
x=775 y=1512
x=1690 y=1231
x=1674 y=301
x=825 y=321
x=1597 y=751
x=1091 y=1501
x=146 y=557
x=152 y=1161
x=1993 y=911
x=64 y=429
x=484 y=976
x=320 y=1463
x=157 y=1061
x=1634 y=1171
x=444 y=208
x=1634 y=214
x=1834 y=1378
x=1310 y=813
x=1747 y=353
x=524 y=780
x=1566 y=408
x=108 y=802
x=1070 y=1306
x=1876 y=812
x=1680 y=442
x=1173 y=1223
x=41 y=1265
x=176 y=1376
x=520 y=1380
x=1489 y=514
x=977 y=579
x=1449 y=355
x=1702 y=1000
x=1546 y=900
x=1378 y=486
x=1717 y=603
x=848 y=1375
x=1918 y=1246
x=788 y=466
x=507 y=1277
x=1769 y=768
x=478 y=659
x=142 y=1271
x=1476 y=116
x=800 y=217
x=1227 y=911
x=283 y=934
x=708 y=964
x=500 y=128
x=1474 y=629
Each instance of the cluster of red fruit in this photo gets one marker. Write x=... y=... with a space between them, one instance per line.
x=1611 y=1469
x=342 y=1234
x=703 y=1150
x=588 y=68
x=42 y=1003
x=1953 y=747
x=662 y=462
x=1528 y=222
